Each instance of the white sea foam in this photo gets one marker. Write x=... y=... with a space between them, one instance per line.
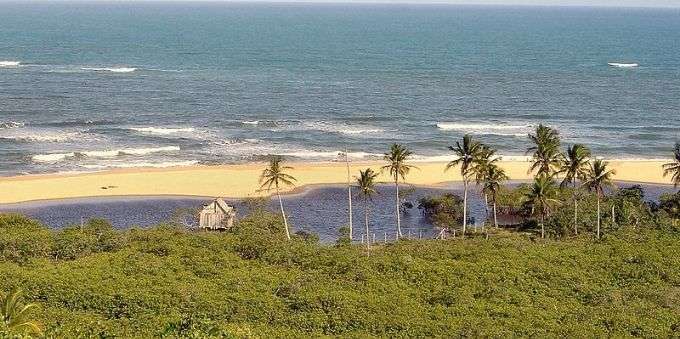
x=7 y=63
x=55 y=157
x=516 y=130
x=328 y=155
x=40 y=136
x=251 y=122
x=142 y=165
x=163 y=130
x=623 y=65
x=11 y=124
x=341 y=128
x=110 y=69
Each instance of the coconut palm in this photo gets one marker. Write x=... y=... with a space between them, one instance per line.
x=542 y=198
x=673 y=168
x=487 y=158
x=492 y=181
x=366 y=183
x=545 y=151
x=14 y=317
x=468 y=152
x=575 y=167
x=597 y=178
x=275 y=176
x=398 y=168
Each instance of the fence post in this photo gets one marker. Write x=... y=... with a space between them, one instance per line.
x=386 y=237
x=362 y=238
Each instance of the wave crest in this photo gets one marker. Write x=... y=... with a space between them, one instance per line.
x=8 y=63
x=11 y=124
x=55 y=157
x=163 y=130
x=623 y=65
x=110 y=69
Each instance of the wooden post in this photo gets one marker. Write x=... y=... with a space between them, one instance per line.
x=386 y=237
x=362 y=238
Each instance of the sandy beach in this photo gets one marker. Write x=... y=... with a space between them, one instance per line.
x=240 y=181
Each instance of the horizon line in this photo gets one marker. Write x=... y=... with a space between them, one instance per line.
x=347 y=2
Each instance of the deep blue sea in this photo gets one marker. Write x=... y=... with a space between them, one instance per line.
x=94 y=86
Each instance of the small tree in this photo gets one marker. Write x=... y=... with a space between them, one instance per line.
x=366 y=183
x=468 y=152
x=597 y=178
x=397 y=166
x=273 y=177
x=542 y=198
x=673 y=168
x=575 y=167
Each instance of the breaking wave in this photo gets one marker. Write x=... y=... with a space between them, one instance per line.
x=41 y=136
x=7 y=63
x=55 y=157
x=623 y=65
x=11 y=124
x=163 y=130
x=143 y=165
x=110 y=69
x=487 y=129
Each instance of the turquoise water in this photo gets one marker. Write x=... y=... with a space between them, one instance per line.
x=95 y=86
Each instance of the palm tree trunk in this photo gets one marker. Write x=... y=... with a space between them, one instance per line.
x=575 y=216
x=598 y=216
x=368 y=242
x=495 y=217
x=486 y=205
x=396 y=184
x=283 y=213
x=349 y=195
x=465 y=189
x=542 y=227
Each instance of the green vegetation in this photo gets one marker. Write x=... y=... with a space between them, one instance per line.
x=253 y=282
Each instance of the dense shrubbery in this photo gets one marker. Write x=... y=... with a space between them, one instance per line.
x=167 y=281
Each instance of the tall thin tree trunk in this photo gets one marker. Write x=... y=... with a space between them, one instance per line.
x=613 y=217
x=542 y=227
x=486 y=205
x=465 y=189
x=349 y=195
x=368 y=243
x=396 y=184
x=575 y=216
x=495 y=217
x=598 y=216
x=283 y=213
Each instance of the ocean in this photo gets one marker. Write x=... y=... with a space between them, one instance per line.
x=86 y=87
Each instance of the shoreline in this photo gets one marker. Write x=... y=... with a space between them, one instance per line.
x=241 y=180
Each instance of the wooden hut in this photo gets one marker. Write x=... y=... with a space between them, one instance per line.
x=216 y=215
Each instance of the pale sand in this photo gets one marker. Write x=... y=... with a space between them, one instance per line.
x=238 y=181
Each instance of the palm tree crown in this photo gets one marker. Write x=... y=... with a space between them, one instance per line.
x=542 y=197
x=366 y=182
x=467 y=152
x=275 y=175
x=673 y=168
x=545 y=151
x=492 y=180
x=396 y=158
x=598 y=177
x=14 y=317
x=575 y=164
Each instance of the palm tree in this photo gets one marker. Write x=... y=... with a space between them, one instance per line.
x=275 y=176
x=14 y=316
x=366 y=183
x=480 y=167
x=468 y=152
x=575 y=167
x=545 y=151
x=542 y=197
x=597 y=178
x=673 y=168
x=493 y=179
x=349 y=194
x=398 y=168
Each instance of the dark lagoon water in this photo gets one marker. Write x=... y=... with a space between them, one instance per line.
x=87 y=86
x=318 y=210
